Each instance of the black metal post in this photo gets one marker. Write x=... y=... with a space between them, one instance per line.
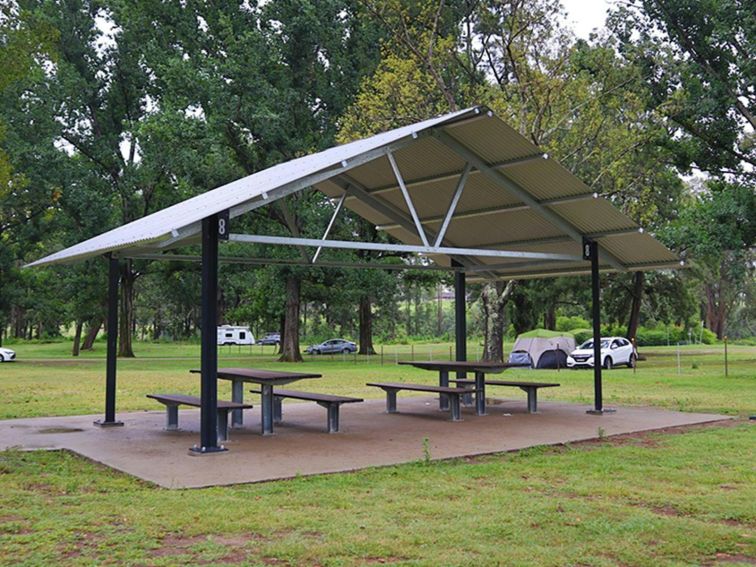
x=460 y=318
x=209 y=348
x=112 y=348
x=598 y=404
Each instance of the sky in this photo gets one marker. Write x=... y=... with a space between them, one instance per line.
x=585 y=15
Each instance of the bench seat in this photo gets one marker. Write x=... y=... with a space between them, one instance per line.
x=454 y=394
x=531 y=388
x=173 y=401
x=331 y=403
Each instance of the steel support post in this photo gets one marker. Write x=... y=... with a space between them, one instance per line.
x=209 y=344
x=460 y=324
x=112 y=345
x=598 y=404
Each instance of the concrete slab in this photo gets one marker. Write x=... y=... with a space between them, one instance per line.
x=369 y=437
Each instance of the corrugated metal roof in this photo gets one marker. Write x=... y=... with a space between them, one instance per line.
x=527 y=203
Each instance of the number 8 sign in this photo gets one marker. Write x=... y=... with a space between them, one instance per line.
x=223 y=225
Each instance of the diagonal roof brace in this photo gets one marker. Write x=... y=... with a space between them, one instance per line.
x=522 y=194
x=453 y=204
x=339 y=204
x=407 y=198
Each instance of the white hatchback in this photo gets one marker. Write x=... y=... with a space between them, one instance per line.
x=614 y=351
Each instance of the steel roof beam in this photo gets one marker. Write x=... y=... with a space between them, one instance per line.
x=514 y=207
x=384 y=247
x=453 y=175
x=518 y=191
x=254 y=261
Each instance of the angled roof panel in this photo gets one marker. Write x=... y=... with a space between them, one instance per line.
x=519 y=200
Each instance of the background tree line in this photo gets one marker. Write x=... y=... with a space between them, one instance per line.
x=112 y=110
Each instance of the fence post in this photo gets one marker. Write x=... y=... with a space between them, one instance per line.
x=412 y=352
x=726 y=365
x=381 y=355
x=450 y=353
x=678 y=358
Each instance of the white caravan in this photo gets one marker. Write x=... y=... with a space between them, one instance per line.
x=235 y=335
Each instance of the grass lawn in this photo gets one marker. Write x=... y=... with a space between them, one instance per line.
x=669 y=498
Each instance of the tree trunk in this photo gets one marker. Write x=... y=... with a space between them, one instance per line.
x=290 y=339
x=634 y=322
x=549 y=318
x=93 y=328
x=366 y=326
x=77 y=338
x=494 y=299
x=281 y=332
x=126 y=319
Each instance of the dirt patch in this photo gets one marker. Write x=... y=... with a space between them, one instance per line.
x=237 y=544
x=53 y=430
x=667 y=510
x=724 y=558
x=382 y=560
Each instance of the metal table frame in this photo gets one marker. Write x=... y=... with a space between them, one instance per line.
x=479 y=368
x=266 y=379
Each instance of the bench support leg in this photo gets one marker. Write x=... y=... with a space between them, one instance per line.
x=222 y=424
x=171 y=417
x=267 y=408
x=237 y=395
x=532 y=399
x=333 y=415
x=277 y=409
x=443 y=381
x=480 y=394
x=390 y=401
x=456 y=413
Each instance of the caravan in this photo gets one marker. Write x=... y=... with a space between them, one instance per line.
x=235 y=335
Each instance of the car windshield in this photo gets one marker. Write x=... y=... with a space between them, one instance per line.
x=589 y=344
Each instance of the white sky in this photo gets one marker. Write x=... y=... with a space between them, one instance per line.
x=585 y=15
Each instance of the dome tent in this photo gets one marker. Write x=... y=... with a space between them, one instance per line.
x=542 y=348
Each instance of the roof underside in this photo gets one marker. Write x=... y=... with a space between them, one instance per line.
x=514 y=198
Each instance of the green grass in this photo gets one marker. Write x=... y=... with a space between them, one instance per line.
x=653 y=499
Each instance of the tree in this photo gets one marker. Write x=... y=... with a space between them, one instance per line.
x=699 y=59
x=717 y=229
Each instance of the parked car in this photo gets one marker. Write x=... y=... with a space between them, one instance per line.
x=614 y=351
x=7 y=355
x=332 y=346
x=270 y=339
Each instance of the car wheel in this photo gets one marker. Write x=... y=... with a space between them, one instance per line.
x=2 y=358
x=632 y=361
x=316 y=351
x=346 y=351
x=608 y=364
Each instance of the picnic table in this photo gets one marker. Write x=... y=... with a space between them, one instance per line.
x=480 y=368
x=266 y=379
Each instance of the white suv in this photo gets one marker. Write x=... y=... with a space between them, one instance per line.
x=614 y=351
x=7 y=355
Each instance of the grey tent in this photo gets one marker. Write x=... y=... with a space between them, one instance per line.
x=542 y=349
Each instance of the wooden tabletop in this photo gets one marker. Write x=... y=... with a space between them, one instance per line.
x=257 y=375
x=471 y=365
